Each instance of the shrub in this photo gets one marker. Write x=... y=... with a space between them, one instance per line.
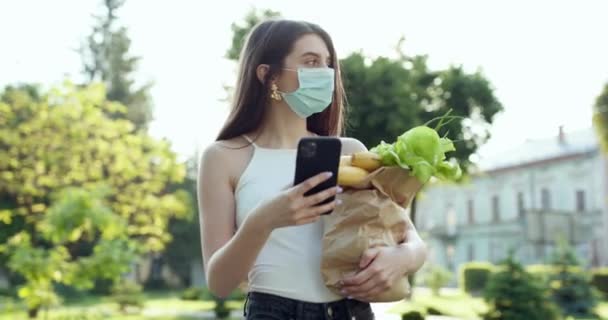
x=412 y=315
x=570 y=288
x=436 y=278
x=433 y=311
x=599 y=280
x=512 y=293
x=192 y=293
x=127 y=294
x=221 y=310
x=474 y=276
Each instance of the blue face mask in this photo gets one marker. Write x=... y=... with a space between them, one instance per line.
x=315 y=92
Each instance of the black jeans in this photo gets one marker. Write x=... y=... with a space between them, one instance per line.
x=271 y=307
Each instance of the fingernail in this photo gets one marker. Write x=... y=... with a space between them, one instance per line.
x=343 y=291
x=349 y=297
x=340 y=190
x=329 y=174
x=338 y=202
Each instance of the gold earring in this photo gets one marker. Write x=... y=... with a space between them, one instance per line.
x=274 y=94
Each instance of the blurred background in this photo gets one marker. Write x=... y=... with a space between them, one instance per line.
x=106 y=104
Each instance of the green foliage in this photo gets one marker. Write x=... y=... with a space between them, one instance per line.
x=421 y=150
x=474 y=276
x=240 y=31
x=433 y=311
x=237 y=295
x=221 y=309
x=155 y=284
x=127 y=294
x=541 y=271
x=7 y=292
x=436 y=278
x=106 y=58
x=386 y=96
x=74 y=215
x=78 y=214
x=412 y=315
x=571 y=290
x=192 y=293
x=600 y=117
x=513 y=293
x=62 y=138
x=198 y=293
x=87 y=192
x=102 y=287
x=544 y=272
x=599 y=280
x=185 y=246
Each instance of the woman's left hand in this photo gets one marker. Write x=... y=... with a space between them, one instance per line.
x=381 y=267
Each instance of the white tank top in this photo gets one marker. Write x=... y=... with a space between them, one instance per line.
x=289 y=264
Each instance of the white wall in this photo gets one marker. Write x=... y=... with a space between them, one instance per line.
x=561 y=178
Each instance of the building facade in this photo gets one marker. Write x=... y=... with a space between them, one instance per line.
x=523 y=200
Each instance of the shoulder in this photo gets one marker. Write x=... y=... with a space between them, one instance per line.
x=218 y=151
x=352 y=145
x=224 y=157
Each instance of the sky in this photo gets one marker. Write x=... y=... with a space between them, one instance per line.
x=547 y=60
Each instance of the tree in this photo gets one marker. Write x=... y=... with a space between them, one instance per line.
x=185 y=246
x=106 y=58
x=75 y=214
x=240 y=31
x=600 y=117
x=63 y=138
x=513 y=294
x=388 y=96
x=570 y=288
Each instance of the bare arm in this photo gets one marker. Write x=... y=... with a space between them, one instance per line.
x=413 y=249
x=228 y=254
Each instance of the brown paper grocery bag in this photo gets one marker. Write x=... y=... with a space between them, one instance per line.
x=368 y=218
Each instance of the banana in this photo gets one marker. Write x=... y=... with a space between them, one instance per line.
x=349 y=176
x=345 y=161
x=366 y=160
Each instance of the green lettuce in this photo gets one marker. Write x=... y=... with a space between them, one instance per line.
x=423 y=152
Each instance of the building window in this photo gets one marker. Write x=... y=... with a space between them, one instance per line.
x=520 y=204
x=471 y=252
x=580 y=201
x=545 y=198
x=471 y=211
x=495 y=209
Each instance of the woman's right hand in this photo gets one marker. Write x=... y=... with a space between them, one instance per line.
x=292 y=208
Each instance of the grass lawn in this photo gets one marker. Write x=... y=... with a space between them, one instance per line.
x=458 y=304
x=158 y=306
x=603 y=310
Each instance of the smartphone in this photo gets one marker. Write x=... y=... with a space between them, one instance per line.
x=316 y=155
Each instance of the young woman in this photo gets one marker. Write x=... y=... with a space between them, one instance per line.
x=255 y=225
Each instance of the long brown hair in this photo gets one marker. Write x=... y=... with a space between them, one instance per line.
x=269 y=43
